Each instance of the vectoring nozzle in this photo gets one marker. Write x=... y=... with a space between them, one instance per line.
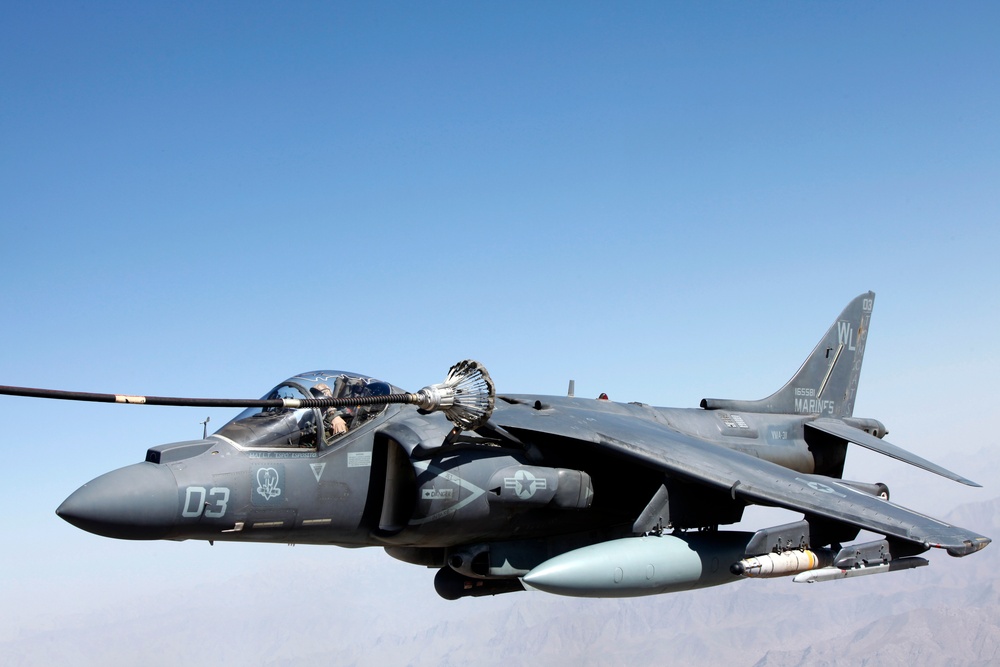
x=466 y=395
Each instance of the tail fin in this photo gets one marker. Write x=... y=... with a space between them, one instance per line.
x=827 y=382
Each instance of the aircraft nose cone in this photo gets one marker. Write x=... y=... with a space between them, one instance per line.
x=138 y=502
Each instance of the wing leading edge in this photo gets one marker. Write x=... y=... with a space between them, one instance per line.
x=755 y=480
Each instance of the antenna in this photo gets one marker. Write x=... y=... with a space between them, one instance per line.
x=204 y=427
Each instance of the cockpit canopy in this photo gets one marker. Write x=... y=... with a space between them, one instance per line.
x=307 y=427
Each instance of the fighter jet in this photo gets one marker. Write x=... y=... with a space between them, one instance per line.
x=562 y=494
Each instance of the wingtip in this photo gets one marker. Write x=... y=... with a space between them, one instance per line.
x=964 y=480
x=970 y=546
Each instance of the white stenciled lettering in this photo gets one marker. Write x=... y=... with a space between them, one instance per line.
x=779 y=435
x=845 y=335
x=195 y=502
x=811 y=406
x=805 y=391
x=359 y=459
x=437 y=494
x=218 y=500
x=733 y=421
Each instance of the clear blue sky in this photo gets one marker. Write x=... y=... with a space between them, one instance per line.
x=661 y=200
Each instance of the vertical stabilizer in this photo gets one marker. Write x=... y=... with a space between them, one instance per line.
x=827 y=383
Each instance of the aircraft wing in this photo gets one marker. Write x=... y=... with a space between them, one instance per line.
x=658 y=447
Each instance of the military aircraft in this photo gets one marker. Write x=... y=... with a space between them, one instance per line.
x=568 y=495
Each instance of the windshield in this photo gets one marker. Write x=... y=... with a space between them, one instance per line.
x=307 y=427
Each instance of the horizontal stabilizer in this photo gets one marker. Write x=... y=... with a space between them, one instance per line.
x=858 y=437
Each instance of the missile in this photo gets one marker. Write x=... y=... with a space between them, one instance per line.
x=834 y=573
x=784 y=564
x=634 y=566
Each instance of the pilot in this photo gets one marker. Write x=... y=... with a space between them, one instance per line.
x=333 y=422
